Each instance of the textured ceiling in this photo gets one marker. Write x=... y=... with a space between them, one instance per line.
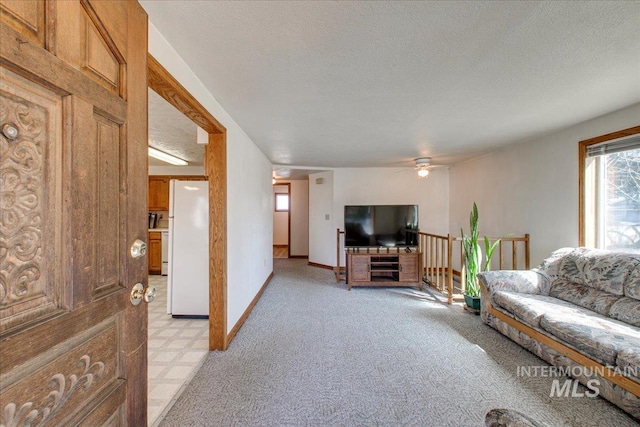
x=172 y=132
x=337 y=84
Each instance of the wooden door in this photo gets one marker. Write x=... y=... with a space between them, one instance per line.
x=73 y=183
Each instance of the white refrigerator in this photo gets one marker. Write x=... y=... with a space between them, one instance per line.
x=188 y=270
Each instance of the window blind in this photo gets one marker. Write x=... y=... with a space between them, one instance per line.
x=616 y=146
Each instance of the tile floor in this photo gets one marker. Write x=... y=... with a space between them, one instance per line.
x=176 y=350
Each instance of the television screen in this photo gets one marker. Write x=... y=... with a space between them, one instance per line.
x=380 y=226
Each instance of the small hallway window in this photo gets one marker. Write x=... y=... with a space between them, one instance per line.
x=282 y=202
x=610 y=191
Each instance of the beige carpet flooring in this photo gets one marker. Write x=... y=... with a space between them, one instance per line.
x=314 y=354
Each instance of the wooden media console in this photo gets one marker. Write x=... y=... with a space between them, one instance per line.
x=373 y=267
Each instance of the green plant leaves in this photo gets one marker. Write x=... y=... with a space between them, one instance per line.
x=473 y=254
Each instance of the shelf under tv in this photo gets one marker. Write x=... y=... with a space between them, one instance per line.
x=383 y=267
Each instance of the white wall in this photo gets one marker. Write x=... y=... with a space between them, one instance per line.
x=280 y=220
x=322 y=231
x=394 y=186
x=373 y=186
x=249 y=191
x=531 y=187
x=299 y=239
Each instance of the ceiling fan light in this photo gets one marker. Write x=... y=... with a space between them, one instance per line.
x=168 y=158
x=422 y=173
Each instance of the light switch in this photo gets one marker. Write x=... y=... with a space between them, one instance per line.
x=327 y=217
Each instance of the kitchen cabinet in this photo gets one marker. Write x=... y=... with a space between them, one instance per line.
x=159 y=189
x=159 y=193
x=155 y=252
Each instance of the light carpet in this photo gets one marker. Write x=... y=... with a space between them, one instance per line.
x=314 y=354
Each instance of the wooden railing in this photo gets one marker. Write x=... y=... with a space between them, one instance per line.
x=439 y=263
x=341 y=273
x=437 y=252
x=442 y=270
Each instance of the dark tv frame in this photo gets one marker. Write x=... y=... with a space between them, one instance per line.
x=408 y=243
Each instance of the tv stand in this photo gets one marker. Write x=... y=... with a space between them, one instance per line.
x=383 y=267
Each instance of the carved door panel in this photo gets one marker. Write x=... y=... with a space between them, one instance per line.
x=72 y=201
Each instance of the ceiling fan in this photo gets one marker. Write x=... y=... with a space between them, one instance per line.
x=423 y=166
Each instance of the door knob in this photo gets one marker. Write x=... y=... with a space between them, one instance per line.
x=140 y=293
x=150 y=294
x=136 y=294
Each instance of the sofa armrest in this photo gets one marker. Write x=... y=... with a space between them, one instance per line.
x=523 y=281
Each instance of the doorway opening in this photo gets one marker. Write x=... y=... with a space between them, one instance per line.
x=176 y=351
x=282 y=220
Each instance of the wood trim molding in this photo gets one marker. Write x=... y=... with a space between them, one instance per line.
x=165 y=85
x=215 y=169
x=249 y=309
x=289 y=221
x=582 y=155
x=610 y=136
x=326 y=267
x=602 y=370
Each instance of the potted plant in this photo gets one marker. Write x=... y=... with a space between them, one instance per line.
x=472 y=253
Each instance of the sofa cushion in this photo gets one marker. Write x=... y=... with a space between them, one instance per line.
x=524 y=281
x=584 y=296
x=529 y=308
x=632 y=286
x=590 y=333
x=551 y=265
x=628 y=361
x=626 y=310
x=604 y=270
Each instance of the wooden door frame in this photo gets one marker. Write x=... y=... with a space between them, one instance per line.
x=215 y=169
x=288 y=184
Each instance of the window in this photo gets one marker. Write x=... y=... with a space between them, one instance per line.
x=610 y=191
x=282 y=202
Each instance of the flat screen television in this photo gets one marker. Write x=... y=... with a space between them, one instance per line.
x=380 y=226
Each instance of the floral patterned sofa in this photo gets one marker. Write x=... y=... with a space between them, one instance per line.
x=580 y=311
